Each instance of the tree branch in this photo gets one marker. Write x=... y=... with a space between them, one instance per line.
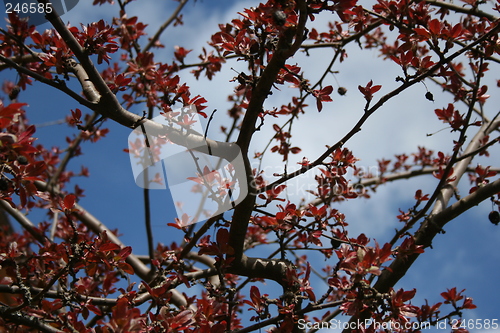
x=164 y=26
x=27 y=320
x=60 y=86
x=23 y=221
x=438 y=218
x=26 y=58
x=70 y=151
x=390 y=178
x=459 y=9
x=429 y=230
x=371 y=110
x=243 y=211
x=97 y=227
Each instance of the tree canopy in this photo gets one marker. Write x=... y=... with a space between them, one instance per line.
x=260 y=137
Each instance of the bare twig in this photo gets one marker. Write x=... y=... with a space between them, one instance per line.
x=164 y=26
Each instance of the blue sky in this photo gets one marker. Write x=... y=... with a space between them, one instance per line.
x=466 y=256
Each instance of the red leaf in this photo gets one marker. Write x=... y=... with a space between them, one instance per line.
x=326 y=90
x=125 y=252
x=126 y=268
x=435 y=26
x=422 y=32
x=94 y=309
x=368 y=91
x=319 y=105
x=109 y=247
x=27 y=134
x=69 y=201
x=456 y=31
x=255 y=295
x=182 y=320
x=277 y=190
x=374 y=89
x=468 y=304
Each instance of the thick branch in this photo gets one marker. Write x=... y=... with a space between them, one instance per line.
x=27 y=320
x=82 y=56
x=108 y=104
x=97 y=227
x=88 y=87
x=460 y=9
x=60 y=86
x=386 y=178
x=440 y=215
x=102 y=100
x=460 y=167
x=23 y=221
x=284 y=50
x=26 y=58
x=425 y=235
x=271 y=269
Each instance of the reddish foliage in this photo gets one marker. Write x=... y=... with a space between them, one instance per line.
x=75 y=275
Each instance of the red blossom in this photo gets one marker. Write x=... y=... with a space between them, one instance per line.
x=369 y=90
x=322 y=95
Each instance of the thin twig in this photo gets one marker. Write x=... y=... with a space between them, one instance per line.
x=164 y=26
x=369 y=112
